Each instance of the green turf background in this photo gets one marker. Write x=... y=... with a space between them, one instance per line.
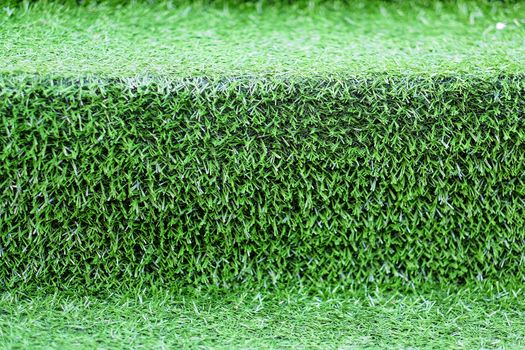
x=224 y=41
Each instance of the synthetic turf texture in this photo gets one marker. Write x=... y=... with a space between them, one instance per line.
x=156 y=147
x=282 y=41
x=219 y=145
x=455 y=319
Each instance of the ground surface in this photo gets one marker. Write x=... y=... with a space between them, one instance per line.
x=462 y=319
x=227 y=40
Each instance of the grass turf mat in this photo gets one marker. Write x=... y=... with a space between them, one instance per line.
x=222 y=40
x=464 y=318
x=283 y=144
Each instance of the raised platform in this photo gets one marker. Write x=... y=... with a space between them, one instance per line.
x=222 y=145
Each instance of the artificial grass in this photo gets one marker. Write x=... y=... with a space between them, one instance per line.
x=228 y=39
x=324 y=145
x=353 y=181
x=289 y=144
x=464 y=318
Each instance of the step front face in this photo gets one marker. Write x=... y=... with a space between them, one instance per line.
x=279 y=144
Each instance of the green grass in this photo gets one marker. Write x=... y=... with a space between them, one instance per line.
x=375 y=142
x=327 y=145
x=460 y=318
x=173 y=39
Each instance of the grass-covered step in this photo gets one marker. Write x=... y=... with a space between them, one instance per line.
x=219 y=144
x=460 y=318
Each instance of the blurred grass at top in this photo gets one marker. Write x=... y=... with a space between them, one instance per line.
x=234 y=38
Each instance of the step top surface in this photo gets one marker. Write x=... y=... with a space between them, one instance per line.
x=253 y=40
